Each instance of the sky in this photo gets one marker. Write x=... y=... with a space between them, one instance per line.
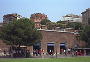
x=54 y=9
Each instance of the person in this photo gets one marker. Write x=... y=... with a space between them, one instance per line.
x=73 y=53
x=84 y=52
x=34 y=52
x=4 y=52
x=50 y=52
x=27 y=54
x=42 y=52
x=65 y=52
x=69 y=51
x=39 y=52
x=76 y=53
x=61 y=51
x=80 y=53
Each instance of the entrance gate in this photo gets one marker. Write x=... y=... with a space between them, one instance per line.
x=37 y=49
x=62 y=48
x=50 y=48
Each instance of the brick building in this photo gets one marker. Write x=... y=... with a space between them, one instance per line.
x=37 y=18
x=52 y=40
x=86 y=17
x=56 y=40
x=10 y=17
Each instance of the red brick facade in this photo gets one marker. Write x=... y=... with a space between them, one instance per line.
x=10 y=17
x=37 y=18
x=52 y=36
x=57 y=38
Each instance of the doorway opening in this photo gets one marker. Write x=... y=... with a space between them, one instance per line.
x=50 y=48
x=37 y=49
x=62 y=48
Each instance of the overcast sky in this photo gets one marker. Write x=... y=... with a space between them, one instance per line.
x=55 y=9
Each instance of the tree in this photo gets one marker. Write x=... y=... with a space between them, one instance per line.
x=61 y=24
x=20 y=32
x=59 y=21
x=45 y=21
x=75 y=25
x=51 y=25
x=85 y=35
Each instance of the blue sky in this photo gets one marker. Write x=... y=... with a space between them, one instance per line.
x=55 y=9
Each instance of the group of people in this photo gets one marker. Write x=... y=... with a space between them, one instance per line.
x=38 y=52
x=73 y=52
x=4 y=53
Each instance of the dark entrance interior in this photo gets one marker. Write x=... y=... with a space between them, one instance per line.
x=37 y=46
x=62 y=47
x=50 y=48
x=37 y=49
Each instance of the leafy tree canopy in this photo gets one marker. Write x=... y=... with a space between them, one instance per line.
x=45 y=21
x=20 y=32
x=60 y=21
x=75 y=25
x=85 y=35
x=51 y=25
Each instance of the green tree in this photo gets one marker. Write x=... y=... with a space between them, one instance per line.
x=61 y=24
x=75 y=25
x=85 y=35
x=45 y=21
x=51 y=25
x=58 y=21
x=20 y=32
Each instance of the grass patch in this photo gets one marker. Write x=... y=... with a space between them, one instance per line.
x=75 y=59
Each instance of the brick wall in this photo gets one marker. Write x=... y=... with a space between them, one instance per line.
x=57 y=38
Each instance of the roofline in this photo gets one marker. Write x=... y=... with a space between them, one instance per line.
x=56 y=31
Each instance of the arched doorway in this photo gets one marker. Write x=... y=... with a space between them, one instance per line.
x=37 y=48
x=50 y=48
x=62 y=48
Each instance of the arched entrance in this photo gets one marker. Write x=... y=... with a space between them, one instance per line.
x=62 y=48
x=50 y=48
x=37 y=49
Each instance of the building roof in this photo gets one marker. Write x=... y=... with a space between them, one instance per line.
x=72 y=15
x=86 y=11
x=14 y=15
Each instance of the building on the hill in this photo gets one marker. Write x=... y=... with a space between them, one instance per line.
x=72 y=18
x=86 y=17
x=10 y=17
x=52 y=42
x=37 y=18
